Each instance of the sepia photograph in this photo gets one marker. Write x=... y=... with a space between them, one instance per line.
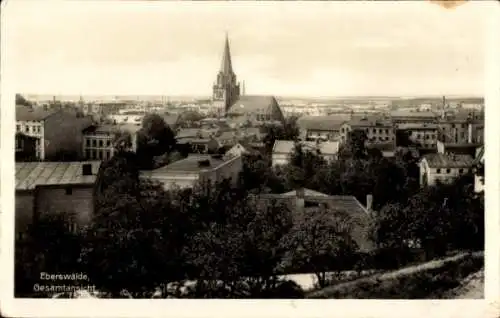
x=244 y=150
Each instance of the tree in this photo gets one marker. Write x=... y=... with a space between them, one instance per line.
x=248 y=232
x=355 y=146
x=257 y=175
x=155 y=138
x=320 y=241
x=136 y=236
x=436 y=219
x=50 y=246
x=288 y=131
x=21 y=100
x=303 y=166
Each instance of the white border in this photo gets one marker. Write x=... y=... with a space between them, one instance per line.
x=251 y=308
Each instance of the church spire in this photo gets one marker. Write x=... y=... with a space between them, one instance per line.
x=226 y=65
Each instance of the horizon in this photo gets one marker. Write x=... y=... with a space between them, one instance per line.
x=370 y=49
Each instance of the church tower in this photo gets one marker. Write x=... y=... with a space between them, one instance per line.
x=226 y=90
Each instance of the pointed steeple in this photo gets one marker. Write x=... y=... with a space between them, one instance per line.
x=226 y=65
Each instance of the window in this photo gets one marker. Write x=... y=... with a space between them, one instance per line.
x=460 y=171
x=448 y=170
x=426 y=136
x=438 y=170
x=18 y=127
x=93 y=154
x=387 y=131
x=101 y=143
x=72 y=227
x=69 y=191
x=27 y=129
x=108 y=143
x=88 y=142
x=94 y=143
x=87 y=153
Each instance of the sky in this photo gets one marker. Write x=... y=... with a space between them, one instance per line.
x=316 y=49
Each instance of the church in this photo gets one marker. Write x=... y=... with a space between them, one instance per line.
x=241 y=109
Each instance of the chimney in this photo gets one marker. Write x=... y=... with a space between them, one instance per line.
x=300 y=202
x=87 y=169
x=469 y=132
x=369 y=202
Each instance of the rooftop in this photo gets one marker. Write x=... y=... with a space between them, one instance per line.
x=25 y=113
x=423 y=126
x=112 y=128
x=416 y=114
x=439 y=160
x=287 y=146
x=349 y=205
x=32 y=174
x=262 y=104
x=193 y=164
x=371 y=121
x=325 y=123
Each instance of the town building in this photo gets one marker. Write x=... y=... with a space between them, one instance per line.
x=423 y=135
x=195 y=170
x=378 y=130
x=411 y=117
x=458 y=149
x=242 y=148
x=98 y=140
x=479 y=170
x=48 y=188
x=444 y=168
x=56 y=131
x=25 y=147
x=283 y=149
x=306 y=201
x=312 y=128
x=462 y=127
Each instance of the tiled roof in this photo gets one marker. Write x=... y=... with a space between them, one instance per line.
x=349 y=205
x=32 y=174
x=370 y=121
x=439 y=160
x=402 y=113
x=25 y=113
x=190 y=164
x=112 y=128
x=326 y=147
x=414 y=126
x=325 y=123
x=257 y=104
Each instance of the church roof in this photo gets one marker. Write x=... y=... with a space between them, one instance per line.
x=261 y=104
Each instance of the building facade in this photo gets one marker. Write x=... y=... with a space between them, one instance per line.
x=98 y=140
x=443 y=168
x=195 y=170
x=50 y=188
x=55 y=131
x=378 y=130
x=283 y=149
x=424 y=135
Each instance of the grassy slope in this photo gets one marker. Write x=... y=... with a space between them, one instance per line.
x=423 y=281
